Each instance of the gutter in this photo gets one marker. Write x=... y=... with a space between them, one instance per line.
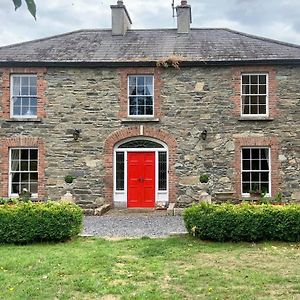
x=120 y=64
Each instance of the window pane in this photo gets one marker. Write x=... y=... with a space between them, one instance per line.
x=140 y=80
x=262 y=100
x=262 y=89
x=15 y=177
x=254 y=109
x=254 y=79
x=33 y=188
x=262 y=79
x=162 y=171
x=132 y=90
x=246 y=164
x=246 y=176
x=245 y=79
x=265 y=187
x=246 y=187
x=246 y=100
x=32 y=81
x=24 y=154
x=141 y=144
x=17 y=111
x=25 y=81
x=140 y=90
x=141 y=110
x=120 y=171
x=33 y=166
x=262 y=109
x=33 y=154
x=133 y=110
x=246 y=153
x=255 y=153
x=132 y=80
x=254 y=89
x=24 y=90
x=149 y=110
x=24 y=165
x=15 y=189
x=255 y=164
x=265 y=176
x=245 y=89
x=254 y=100
x=33 y=177
x=16 y=86
x=255 y=176
x=133 y=101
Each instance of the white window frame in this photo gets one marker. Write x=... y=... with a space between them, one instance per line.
x=267 y=95
x=12 y=95
x=247 y=195
x=12 y=195
x=121 y=195
x=128 y=99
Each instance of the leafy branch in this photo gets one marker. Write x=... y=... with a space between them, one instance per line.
x=30 y=6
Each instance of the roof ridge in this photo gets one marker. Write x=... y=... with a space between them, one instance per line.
x=262 y=38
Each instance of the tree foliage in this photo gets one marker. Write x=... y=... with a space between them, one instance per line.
x=30 y=5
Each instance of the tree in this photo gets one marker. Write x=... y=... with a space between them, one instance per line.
x=30 y=5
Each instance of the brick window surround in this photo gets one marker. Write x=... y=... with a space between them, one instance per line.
x=272 y=88
x=130 y=132
x=41 y=89
x=21 y=142
x=258 y=141
x=123 y=95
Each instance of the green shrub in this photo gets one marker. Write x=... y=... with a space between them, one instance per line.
x=36 y=222
x=204 y=178
x=244 y=222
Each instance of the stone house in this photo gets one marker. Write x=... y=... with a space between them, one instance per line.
x=137 y=115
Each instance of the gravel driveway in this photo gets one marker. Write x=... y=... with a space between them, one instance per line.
x=133 y=226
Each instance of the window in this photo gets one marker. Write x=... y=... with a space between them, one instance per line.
x=162 y=171
x=254 y=94
x=120 y=171
x=140 y=95
x=23 y=171
x=24 y=96
x=255 y=170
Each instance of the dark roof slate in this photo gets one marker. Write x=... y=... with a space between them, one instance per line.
x=203 y=45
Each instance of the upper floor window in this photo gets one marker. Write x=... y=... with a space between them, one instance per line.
x=140 y=95
x=24 y=96
x=254 y=94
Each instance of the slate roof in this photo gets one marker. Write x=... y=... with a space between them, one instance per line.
x=203 y=46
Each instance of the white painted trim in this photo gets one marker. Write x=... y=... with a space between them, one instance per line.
x=128 y=109
x=247 y=195
x=11 y=108
x=117 y=194
x=267 y=95
x=10 y=194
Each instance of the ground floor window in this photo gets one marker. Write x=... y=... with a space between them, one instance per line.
x=255 y=170
x=23 y=171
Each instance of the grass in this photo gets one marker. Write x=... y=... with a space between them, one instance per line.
x=172 y=268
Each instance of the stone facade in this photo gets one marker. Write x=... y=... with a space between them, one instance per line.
x=191 y=100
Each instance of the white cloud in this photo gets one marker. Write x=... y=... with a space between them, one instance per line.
x=277 y=19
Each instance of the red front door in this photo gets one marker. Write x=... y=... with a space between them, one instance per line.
x=141 y=179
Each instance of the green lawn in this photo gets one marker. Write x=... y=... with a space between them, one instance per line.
x=172 y=268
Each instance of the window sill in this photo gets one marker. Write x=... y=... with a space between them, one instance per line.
x=254 y=118
x=139 y=120
x=24 y=120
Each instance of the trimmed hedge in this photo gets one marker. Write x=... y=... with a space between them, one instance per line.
x=39 y=222
x=244 y=222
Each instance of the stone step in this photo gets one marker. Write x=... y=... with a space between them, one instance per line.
x=88 y=206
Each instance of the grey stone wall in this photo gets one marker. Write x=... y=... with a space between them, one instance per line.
x=193 y=99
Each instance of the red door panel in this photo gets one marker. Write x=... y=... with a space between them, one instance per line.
x=141 y=179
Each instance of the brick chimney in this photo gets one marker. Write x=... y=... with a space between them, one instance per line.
x=184 y=17
x=120 y=19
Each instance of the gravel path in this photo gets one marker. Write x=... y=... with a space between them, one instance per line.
x=133 y=226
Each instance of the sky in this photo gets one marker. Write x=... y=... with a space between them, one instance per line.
x=276 y=19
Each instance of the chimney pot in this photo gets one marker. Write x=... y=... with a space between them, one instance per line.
x=183 y=2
